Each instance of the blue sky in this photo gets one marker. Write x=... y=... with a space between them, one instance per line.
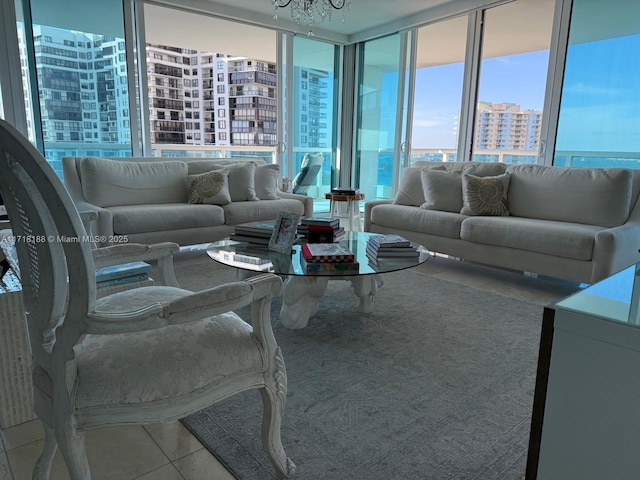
x=517 y=79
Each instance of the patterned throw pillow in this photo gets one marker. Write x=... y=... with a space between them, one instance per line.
x=485 y=195
x=210 y=187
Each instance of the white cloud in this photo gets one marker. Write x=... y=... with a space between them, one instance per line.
x=584 y=89
x=426 y=123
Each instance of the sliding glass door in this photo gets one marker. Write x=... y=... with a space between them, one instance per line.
x=381 y=126
x=512 y=81
x=311 y=128
x=81 y=96
x=440 y=61
x=599 y=121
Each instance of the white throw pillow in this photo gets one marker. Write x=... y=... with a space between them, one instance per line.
x=485 y=195
x=266 y=181
x=241 y=181
x=442 y=190
x=410 y=186
x=211 y=188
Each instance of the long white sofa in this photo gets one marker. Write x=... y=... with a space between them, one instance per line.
x=150 y=200
x=578 y=224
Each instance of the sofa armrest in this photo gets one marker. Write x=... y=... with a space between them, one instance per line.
x=306 y=201
x=367 y=211
x=616 y=248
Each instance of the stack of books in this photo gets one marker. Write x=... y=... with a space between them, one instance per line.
x=320 y=229
x=122 y=274
x=253 y=232
x=392 y=247
x=345 y=191
x=327 y=258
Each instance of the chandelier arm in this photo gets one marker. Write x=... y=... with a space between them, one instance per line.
x=336 y=6
x=277 y=2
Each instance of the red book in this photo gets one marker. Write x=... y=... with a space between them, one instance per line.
x=326 y=253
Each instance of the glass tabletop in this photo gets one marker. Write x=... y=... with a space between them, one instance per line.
x=258 y=258
x=616 y=298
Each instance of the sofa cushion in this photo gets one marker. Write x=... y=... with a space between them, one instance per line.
x=485 y=169
x=485 y=195
x=592 y=196
x=107 y=183
x=241 y=181
x=243 y=212
x=201 y=165
x=169 y=216
x=210 y=187
x=405 y=217
x=442 y=190
x=266 y=181
x=563 y=239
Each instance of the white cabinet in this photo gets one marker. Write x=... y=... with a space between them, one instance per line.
x=589 y=420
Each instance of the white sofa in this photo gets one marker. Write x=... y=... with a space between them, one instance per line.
x=150 y=200
x=577 y=224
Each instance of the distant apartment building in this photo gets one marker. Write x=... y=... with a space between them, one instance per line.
x=195 y=97
x=82 y=86
x=504 y=126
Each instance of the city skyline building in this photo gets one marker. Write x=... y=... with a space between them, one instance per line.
x=195 y=97
x=505 y=126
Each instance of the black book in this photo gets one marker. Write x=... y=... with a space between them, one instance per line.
x=323 y=221
x=345 y=191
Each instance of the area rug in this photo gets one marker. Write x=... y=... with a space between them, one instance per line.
x=437 y=383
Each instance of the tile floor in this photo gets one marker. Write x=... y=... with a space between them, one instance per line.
x=170 y=452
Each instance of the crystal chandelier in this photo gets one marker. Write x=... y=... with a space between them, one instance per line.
x=310 y=12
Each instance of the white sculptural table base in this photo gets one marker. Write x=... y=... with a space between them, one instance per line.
x=303 y=290
x=301 y=296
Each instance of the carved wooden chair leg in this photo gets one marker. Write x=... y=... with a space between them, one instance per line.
x=42 y=468
x=71 y=444
x=273 y=405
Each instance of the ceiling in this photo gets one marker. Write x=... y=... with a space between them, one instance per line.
x=365 y=18
x=515 y=27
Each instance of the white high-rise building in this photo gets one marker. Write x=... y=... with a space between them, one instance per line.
x=504 y=126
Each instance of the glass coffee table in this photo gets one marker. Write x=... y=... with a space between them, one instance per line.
x=302 y=289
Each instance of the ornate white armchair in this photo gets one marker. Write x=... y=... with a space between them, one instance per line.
x=149 y=354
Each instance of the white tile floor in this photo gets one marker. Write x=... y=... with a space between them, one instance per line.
x=170 y=452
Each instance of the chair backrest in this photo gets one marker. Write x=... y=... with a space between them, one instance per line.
x=56 y=264
x=309 y=169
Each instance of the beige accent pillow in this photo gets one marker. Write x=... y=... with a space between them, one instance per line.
x=241 y=181
x=442 y=190
x=485 y=195
x=410 y=186
x=266 y=181
x=211 y=188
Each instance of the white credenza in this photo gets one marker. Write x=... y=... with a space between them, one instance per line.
x=586 y=417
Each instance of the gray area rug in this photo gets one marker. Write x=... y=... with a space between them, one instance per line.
x=437 y=383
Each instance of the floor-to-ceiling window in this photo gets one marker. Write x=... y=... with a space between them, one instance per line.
x=599 y=121
x=440 y=57
x=380 y=98
x=313 y=103
x=512 y=81
x=212 y=86
x=78 y=58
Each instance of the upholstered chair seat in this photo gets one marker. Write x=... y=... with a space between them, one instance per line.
x=144 y=355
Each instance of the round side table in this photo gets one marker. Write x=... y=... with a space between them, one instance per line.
x=352 y=210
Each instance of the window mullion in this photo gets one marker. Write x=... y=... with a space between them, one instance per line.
x=466 y=122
